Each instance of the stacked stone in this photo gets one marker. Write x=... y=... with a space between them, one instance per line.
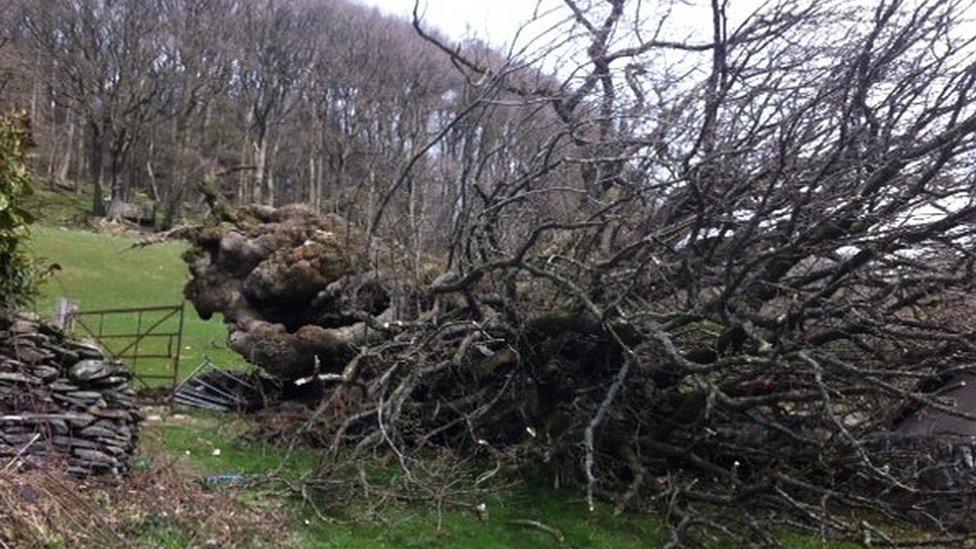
x=64 y=400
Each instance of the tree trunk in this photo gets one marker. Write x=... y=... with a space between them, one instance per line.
x=95 y=169
x=82 y=161
x=312 y=190
x=118 y=184
x=244 y=194
x=150 y=170
x=64 y=165
x=270 y=190
x=180 y=177
x=260 y=158
x=35 y=91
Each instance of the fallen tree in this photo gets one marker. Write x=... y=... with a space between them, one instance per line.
x=733 y=295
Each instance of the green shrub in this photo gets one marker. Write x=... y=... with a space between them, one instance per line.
x=18 y=275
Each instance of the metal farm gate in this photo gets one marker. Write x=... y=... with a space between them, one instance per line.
x=157 y=335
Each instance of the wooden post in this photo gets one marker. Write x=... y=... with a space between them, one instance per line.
x=63 y=317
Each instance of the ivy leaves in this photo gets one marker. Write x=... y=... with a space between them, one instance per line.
x=17 y=273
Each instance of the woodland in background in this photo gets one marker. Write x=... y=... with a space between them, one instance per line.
x=685 y=270
x=315 y=101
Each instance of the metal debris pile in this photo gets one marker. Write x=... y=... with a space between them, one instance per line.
x=64 y=401
x=212 y=388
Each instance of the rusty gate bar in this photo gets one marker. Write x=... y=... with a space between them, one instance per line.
x=131 y=351
x=179 y=346
x=135 y=358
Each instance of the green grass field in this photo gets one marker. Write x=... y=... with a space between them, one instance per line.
x=60 y=208
x=103 y=272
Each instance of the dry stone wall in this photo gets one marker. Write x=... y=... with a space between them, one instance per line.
x=63 y=401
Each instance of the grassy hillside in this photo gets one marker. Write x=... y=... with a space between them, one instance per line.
x=60 y=208
x=102 y=272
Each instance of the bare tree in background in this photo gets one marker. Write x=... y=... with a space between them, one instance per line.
x=290 y=97
x=276 y=53
x=196 y=71
x=103 y=59
x=5 y=57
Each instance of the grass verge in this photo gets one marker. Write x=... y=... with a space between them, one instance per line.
x=214 y=446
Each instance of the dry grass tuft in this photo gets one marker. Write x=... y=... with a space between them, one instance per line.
x=43 y=507
x=172 y=497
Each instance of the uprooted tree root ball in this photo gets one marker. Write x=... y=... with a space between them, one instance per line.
x=294 y=287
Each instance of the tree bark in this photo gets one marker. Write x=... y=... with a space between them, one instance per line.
x=64 y=164
x=120 y=146
x=244 y=188
x=95 y=168
x=260 y=165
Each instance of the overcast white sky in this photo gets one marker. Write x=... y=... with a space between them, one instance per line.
x=493 y=20
x=496 y=21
